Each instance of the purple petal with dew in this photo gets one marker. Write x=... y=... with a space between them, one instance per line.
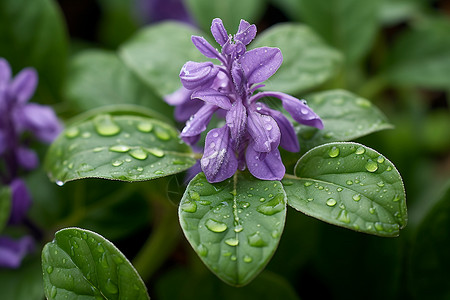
x=23 y=85
x=219 y=161
x=21 y=201
x=289 y=140
x=229 y=47
x=236 y=120
x=194 y=75
x=239 y=79
x=187 y=109
x=239 y=49
x=261 y=63
x=219 y=32
x=205 y=48
x=5 y=73
x=192 y=171
x=265 y=166
x=298 y=109
x=27 y=158
x=246 y=32
x=12 y=251
x=41 y=120
x=178 y=97
x=264 y=131
x=211 y=96
x=198 y=122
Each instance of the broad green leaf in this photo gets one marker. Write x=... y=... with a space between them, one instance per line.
x=98 y=77
x=32 y=34
x=157 y=53
x=345 y=116
x=429 y=263
x=80 y=264
x=24 y=283
x=307 y=60
x=349 y=185
x=421 y=57
x=393 y=12
x=348 y=25
x=5 y=206
x=121 y=147
x=204 y=11
x=235 y=225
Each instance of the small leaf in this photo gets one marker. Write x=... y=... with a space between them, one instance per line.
x=234 y=225
x=346 y=117
x=307 y=60
x=157 y=59
x=349 y=185
x=5 y=206
x=121 y=147
x=82 y=264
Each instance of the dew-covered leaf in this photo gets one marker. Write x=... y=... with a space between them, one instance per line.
x=307 y=60
x=80 y=264
x=157 y=53
x=349 y=185
x=235 y=225
x=345 y=116
x=5 y=205
x=121 y=147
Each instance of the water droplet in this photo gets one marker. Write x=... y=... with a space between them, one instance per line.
x=232 y=242
x=189 y=206
x=64 y=260
x=104 y=261
x=138 y=153
x=275 y=234
x=233 y=257
x=100 y=248
x=216 y=226
x=49 y=269
x=320 y=187
x=194 y=195
x=328 y=135
x=227 y=253
x=360 y=150
x=288 y=183
x=86 y=135
x=256 y=240
x=310 y=199
x=159 y=172
x=247 y=259
x=380 y=184
x=363 y=102
x=117 y=163
x=244 y=204
x=111 y=287
x=308 y=183
x=273 y=206
x=371 y=166
x=104 y=125
x=262 y=199
x=379 y=226
x=119 y=148
x=334 y=152
x=372 y=210
x=349 y=182
x=162 y=134
x=145 y=126
x=156 y=152
x=84 y=235
x=356 y=197
x=72 y=132
x=339 y=189
x=204 y=202
x=389 y=168
x=396 y=198
x=70 y=166
x=202 y=250
x=380 y=159
x=343 y=216
x=238 y=228
x=53 y=292
x=331 y=202
x=59 y=183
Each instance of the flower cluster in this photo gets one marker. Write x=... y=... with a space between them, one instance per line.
x=252 y=131
x=17 y=118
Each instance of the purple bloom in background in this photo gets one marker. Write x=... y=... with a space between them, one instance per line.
x=13 y=251
x=253 y=131
x=160 y=10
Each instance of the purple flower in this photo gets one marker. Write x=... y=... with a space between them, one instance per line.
x=160 y=10
x=252 y=131
x=13 y=251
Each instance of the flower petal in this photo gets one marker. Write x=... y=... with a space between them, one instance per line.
x=246 y=32
x=198 y=123
x=13 y=251
x=185 y=110
x=194 y=75
x=219 y=161
x=264 y=131
x=178 y=97
x=265 y=166
x=261 y=63
x=205 y=48
x=213 y=97
x=238 y=78
x=2 y=142
x=219 y=32
x=5 y=73
x=21 y=201
x=41 y=120
x=236 y=120
x=24 y=85
x=27 y=158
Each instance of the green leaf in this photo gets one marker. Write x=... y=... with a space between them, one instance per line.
x=24 y=283
x=5 y=206
x=429 y=263
x=157 y=53
x=421 y=57
x=235 y=225
x=204 y=11
x=82 y=264
x=349 y=185
x=121 y=147
x=345 y=116
x=307 y=60
x=349 y=25
x=98 y=77
x=32 y=34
